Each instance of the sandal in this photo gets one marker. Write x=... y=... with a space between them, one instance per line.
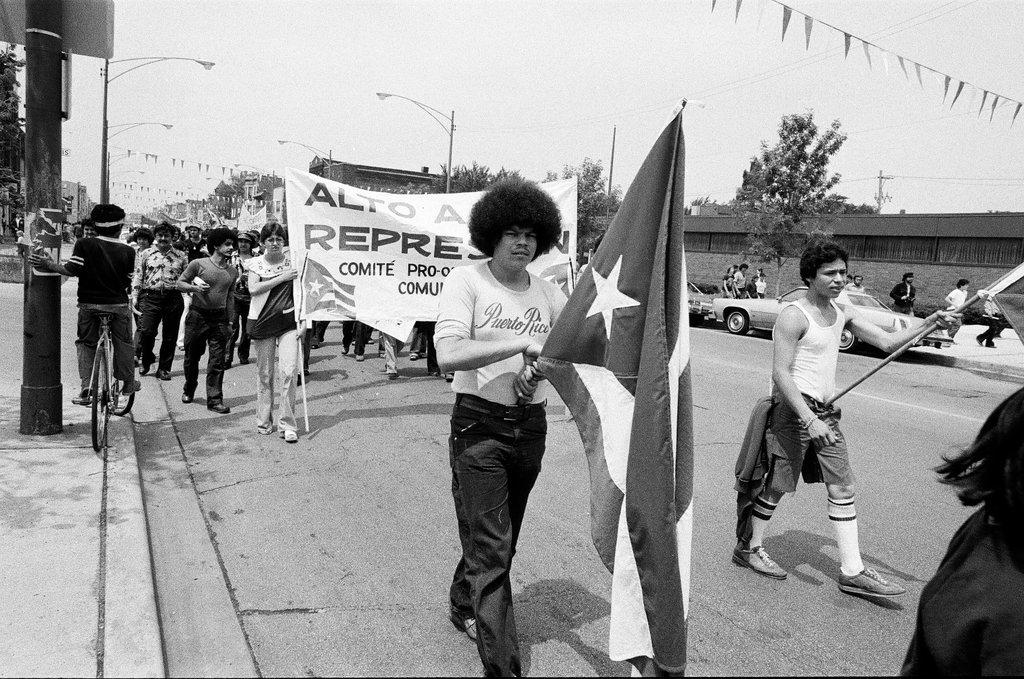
x=266 y=431
x=290 y=436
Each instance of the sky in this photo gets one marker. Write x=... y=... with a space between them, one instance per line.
x=536 y=86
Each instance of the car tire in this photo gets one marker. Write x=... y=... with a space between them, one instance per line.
x=737 y=322
x=847 y=341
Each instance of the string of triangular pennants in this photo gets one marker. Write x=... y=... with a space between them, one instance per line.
x=180 y=162
x=944 y=80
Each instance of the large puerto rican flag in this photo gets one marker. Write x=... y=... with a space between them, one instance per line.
x=619 y=357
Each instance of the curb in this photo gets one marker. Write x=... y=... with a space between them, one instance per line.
x=132 y=640
x=996 y=371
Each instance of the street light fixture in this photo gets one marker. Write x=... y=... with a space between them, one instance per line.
x=146 y=61
x=131 y=126
x=449 y=130
x=318 y=152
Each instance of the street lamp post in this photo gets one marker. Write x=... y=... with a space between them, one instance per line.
x=318 y=152
x=450 y=130
x=146 y=61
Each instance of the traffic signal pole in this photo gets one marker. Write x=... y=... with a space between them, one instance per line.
x=41 y=389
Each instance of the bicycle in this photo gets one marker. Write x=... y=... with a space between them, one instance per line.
x=105 y=389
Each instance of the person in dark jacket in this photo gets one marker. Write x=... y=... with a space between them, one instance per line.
x=970 y=619
x=903 y=294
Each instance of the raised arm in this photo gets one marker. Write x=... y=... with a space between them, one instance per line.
x=889 y=342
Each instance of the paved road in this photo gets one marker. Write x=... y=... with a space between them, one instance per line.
x=333 y=556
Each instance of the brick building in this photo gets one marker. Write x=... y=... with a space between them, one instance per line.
x=938 y=248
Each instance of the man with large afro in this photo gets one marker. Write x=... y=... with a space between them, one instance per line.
x=493 y=319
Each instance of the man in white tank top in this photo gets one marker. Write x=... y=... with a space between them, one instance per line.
x=806 y=339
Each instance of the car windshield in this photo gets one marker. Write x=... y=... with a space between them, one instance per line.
x=865 y=300
x=793 y=295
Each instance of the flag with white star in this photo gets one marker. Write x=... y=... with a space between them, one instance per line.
x=1009 y=294
x=322 y=292
x=619 y=357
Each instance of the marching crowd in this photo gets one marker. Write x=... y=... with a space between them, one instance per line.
x=234 y=301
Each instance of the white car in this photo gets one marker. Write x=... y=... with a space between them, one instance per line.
x=740 y=315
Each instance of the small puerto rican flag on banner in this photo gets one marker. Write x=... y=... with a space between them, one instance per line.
x=619 y=357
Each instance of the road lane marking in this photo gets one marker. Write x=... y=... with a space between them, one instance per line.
x=911 y=405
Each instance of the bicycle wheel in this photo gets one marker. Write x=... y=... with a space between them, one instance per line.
x=98 y=386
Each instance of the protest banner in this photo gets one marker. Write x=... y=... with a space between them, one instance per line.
x=252 y=221
x=381 y=258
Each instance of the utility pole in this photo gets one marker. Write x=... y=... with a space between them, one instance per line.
x=882 y=197
x=611 y=168
x=41 y=390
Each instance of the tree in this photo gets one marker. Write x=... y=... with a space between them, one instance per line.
x=786 y=186
x=594 y=204
x=12 y=134
x=475 y=178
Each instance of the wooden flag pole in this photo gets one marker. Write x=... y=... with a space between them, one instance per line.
x=928 y=327
x=302 y=376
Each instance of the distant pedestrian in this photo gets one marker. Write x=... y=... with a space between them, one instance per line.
x=275 y=333
x=857 y=284
x=903 y=294
x=242 y=298
x=970 y=618
x=727 y=281
x=956 y=297
x=760 y=283
x=210 y=280
x=739 y=280
x=155 y=294
x=994 y=317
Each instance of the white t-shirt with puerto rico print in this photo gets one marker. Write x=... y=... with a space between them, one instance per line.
x=474 y=305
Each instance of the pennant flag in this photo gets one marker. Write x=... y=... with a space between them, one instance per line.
x=1015 y=112
x=959 y=89
x=761 y=5
x=885 y=61
x=1009 y=295
x=945 y=88
x=787 y=14
x=621 y=346
x=920 y=80
x=738 y=3
x=903 y=66
x=713 y=2
x=326 y=293
x=867 y=52
x=846 y=44
x=808 y=25
x=995 y=102
x=984 y=96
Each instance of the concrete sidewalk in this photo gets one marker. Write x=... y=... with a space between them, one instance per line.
x=1005 y=361
x=77 y=594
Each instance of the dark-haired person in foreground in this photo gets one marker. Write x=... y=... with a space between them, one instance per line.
x=492 y=323
x=806 y=337
x=210 y=281
x=970 y=619
x=104 y=267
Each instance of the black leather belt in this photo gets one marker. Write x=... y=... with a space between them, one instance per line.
x=511 y=413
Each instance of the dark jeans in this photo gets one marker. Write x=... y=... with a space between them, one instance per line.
x=159 y=307
x=319 y=331
x=239 y=335
x=347 y=334
x=361 y=336
x=120 y=335
x=995 y=325
x=204 y=326
x=495 y=455
x=425 y=345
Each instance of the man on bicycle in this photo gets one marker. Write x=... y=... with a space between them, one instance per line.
x=104 y=267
